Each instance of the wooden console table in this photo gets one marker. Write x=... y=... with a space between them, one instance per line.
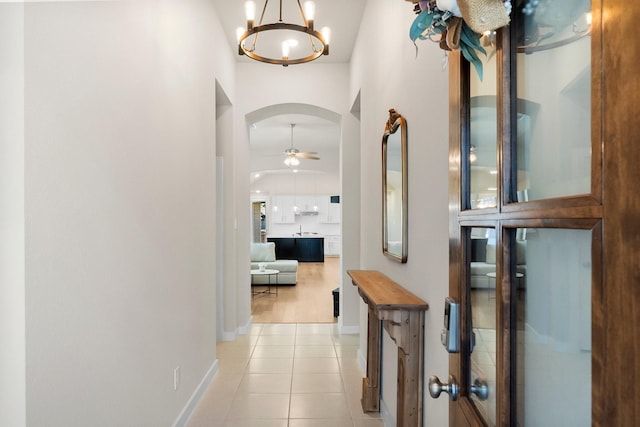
x=402 y=315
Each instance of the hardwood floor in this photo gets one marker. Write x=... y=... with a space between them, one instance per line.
x=310 y=301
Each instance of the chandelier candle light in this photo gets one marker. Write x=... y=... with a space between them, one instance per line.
x=318 y=41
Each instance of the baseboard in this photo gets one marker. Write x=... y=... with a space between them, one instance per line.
x=228 y=336
x=362 y=360
x=387 y=417
x=187 y=411
x=349 y=330
x=241 y=330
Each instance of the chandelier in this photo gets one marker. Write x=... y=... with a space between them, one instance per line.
x=271 y=34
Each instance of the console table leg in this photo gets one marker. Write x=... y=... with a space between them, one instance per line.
x=371 y=384
x=409 y=412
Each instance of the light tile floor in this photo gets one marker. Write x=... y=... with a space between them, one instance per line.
x=279 y=375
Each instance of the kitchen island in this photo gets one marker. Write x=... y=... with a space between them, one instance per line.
x=301 y=248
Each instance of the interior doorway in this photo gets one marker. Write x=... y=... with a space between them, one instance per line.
x=259 y=222
x=292 y=205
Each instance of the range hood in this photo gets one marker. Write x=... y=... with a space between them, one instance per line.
x=307 y=213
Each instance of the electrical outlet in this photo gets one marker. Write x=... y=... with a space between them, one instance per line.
x=176 y=377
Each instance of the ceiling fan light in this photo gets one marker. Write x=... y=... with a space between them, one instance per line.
x=472 y=154
x=291 y=160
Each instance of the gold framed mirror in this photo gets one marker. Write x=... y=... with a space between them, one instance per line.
x=394 y=187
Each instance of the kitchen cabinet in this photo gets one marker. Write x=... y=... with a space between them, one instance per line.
x=332 y=245
x=303 y=249
x=310 y=249
x=285 y=247
x=282 y=210
x=329 y=212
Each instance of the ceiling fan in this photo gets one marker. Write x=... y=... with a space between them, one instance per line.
x=293 y=154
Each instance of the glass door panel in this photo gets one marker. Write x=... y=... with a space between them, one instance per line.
x=483 y=137
x=482 y=365
x=553 y=337
x=554 y=100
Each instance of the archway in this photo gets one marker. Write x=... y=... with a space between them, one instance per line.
x=305 y=190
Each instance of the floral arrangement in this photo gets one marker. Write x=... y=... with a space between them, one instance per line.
x=459 y=24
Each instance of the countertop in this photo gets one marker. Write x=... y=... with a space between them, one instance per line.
x=295 y=236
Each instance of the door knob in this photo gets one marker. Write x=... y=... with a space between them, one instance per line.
x=436 y=387
x=480 y=388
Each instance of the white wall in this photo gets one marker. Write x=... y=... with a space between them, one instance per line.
x=12 y=258
x=227 y=254
x=349 y=319
x=386 y=72
x=242 y=218
x=120 y=208
x=300 y=183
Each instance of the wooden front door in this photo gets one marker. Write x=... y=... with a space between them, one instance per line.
x=545 y=221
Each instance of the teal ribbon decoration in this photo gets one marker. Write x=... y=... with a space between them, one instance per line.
x=433 y=22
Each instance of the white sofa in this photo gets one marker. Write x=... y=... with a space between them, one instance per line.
x=266 y=253
x=480 y=269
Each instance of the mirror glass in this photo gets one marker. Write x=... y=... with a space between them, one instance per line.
x=394 y=188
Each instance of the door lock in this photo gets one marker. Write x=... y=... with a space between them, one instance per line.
x=450 y=336
x=436 y=387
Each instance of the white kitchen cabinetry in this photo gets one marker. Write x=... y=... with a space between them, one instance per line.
x=305 y=204
x=282 y=210
x=332 y=245
x=329 y=212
